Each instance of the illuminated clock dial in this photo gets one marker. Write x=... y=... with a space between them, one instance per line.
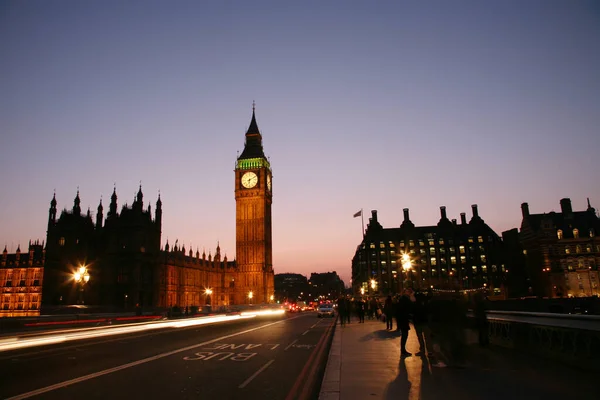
x=249 y=180
x=269 y=182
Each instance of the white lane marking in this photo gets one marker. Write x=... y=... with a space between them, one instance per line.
x=316 y=324
x=247 y=381
x=305 y=332
x=129 y=365
x=291 y=344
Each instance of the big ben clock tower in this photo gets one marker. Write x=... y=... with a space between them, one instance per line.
x=253 y=244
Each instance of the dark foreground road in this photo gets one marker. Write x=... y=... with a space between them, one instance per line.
x=258 y=358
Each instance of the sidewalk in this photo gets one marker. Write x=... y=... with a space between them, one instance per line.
x=364 y=363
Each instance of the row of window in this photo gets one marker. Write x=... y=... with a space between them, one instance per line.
x=430 y=242
x=578 y=248
x=560 y=233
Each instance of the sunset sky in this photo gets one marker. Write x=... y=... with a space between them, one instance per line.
x=372 y=105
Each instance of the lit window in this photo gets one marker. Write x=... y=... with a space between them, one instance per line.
x=463 y=259
x=589 y=248
x=453 y=260
x=482 y=258
x=392 y=244
x=462 y=249
x=592 y=232
x=381 y=245
x=578 y=249
x=480 y=239
x=576 y=233
x=421 y=242
x=484 y=268
x=452 y=250
x=441 y=241
x=431 y=242
x=559 y=234
x=567 y=250
x=432 y=250
x=470 y=239
x=61 y=241
x=372 y=245
x=433 y=261
x=580 y=264
x=411 y=243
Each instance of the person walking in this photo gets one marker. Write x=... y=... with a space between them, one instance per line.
x=388 y=311
x=360 y=310
x=403 y=317
x=421 y=324
x=479 y=310
x=342 y=310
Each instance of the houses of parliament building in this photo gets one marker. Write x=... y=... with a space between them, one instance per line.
x=117 y=262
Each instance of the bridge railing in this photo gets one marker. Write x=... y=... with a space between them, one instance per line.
x=574 y=339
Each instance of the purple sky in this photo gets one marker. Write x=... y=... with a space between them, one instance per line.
x=361 y=105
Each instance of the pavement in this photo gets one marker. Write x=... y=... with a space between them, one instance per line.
x=364 y=363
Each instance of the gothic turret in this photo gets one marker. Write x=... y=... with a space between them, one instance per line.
x=138 y=203
x=52 y=212
x=112 y=209
x=158 y=212
x=99 y=215
x=77 y=204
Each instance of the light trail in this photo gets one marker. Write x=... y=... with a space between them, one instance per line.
x=14 y=343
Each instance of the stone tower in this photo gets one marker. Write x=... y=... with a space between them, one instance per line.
x=253 y=198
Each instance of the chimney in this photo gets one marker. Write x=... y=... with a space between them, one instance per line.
x=406 y=218
x=463 y=218
x=525 y=210
x=443 y=212
x=475 y=212
x=374 y=215
x=454 y=222
x=565 y=206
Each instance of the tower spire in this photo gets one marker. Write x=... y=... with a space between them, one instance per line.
x=253 y=146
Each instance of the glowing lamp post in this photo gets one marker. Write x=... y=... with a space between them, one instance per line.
x=406 y=265
x=250 y=296
x=81 y=277
x=208 y=292
x=373 y=285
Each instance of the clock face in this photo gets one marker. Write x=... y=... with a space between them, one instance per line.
x=269 y=182
x=249 y=180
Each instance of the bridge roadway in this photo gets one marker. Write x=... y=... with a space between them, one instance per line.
x=260 y=357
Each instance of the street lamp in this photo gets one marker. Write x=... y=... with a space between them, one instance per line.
x=250 y=295
x=81 y=277
x=272 y=297
x=208 y=292
x=406 y=265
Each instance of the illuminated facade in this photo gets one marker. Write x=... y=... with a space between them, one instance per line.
x=117 y=262
x=21 y=277
x=562 y=251
x=446 y=256
x=253 y=228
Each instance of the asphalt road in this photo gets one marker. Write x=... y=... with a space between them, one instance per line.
x=264 y=357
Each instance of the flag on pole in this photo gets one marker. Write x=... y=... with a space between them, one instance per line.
x=358 y=214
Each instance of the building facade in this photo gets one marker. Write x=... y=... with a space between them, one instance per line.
x=446 y=256
x=21 y=276
x=562 y=251
x=117 y=262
